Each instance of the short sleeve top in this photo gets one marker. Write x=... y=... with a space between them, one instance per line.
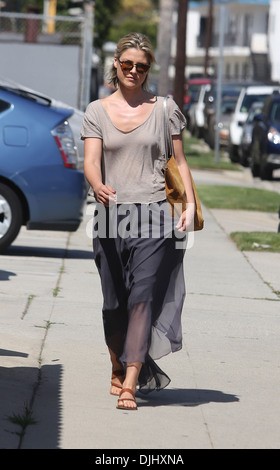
x=133 y=162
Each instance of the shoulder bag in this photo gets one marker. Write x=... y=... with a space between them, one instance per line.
x=174 y=187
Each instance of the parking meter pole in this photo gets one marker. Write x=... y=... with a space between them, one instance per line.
x=219 y=84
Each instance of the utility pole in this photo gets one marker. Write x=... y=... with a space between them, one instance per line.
x=180 y=61
x=208 y=37
x=222 y=13
x=50 y=10
x=86 y=55
x=164 y=44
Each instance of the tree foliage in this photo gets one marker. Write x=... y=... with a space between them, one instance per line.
x=140 y=16
x=112 y=18
x=103 y=19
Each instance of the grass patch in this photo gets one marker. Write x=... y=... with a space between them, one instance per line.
x=238 y=197
x=257 y=241
x=199 y=159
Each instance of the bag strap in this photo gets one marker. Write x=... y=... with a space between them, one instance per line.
x=167 y=135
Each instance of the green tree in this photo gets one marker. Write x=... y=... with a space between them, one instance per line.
x=104 y=14
x=140 y=16
x=181 y=59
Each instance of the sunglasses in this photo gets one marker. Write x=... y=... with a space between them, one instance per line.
x=127 y=65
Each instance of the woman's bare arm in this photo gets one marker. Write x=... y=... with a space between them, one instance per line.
x=186 y=220
x=92 y=169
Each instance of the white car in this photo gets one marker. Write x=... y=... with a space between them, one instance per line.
x=196 y=114
x=248 y=95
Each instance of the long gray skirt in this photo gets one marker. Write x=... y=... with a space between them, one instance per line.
x=139 y=256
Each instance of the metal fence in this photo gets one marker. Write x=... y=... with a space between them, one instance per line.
x=61 y=30
x=21 y=27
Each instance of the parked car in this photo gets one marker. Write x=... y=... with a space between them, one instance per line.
x=246 y=138
x=229 y=96
x=227 y=108
x=248 y=95
x=41 y=185
x=265 y=153
x=196 y=115
x=192 y=89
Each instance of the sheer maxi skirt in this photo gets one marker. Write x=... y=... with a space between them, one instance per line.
x=140 y=261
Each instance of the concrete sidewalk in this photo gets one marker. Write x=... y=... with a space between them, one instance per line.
x=224 y=390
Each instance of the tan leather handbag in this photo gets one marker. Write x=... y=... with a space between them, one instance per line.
x=174 y=187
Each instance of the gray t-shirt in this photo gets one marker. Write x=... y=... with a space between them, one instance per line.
x=133 y=162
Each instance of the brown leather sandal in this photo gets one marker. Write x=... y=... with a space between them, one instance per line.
x=115 y=374
x=122 y=407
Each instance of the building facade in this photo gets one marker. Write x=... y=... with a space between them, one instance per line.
x=249 y=38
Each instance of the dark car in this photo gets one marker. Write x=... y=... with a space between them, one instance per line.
x=41 y=185
x=246 y=138
x=265 y=154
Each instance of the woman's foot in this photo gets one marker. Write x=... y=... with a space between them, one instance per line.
x=117 y=382
x=127 y=394
x=127 y=400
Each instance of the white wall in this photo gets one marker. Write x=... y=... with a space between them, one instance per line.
x=274 y=39
x=46 y=68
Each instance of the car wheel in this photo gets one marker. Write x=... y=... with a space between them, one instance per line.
x=265 y=172
x=244 y=159
x=233 y=153
x=255 y=158
x=211 y=140
x=255 y=169
x=10 y=216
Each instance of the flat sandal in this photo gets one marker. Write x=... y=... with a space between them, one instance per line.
x=123 y=407
x=116 y=373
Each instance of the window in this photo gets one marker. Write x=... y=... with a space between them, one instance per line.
x=275 y=112
x=4 y=105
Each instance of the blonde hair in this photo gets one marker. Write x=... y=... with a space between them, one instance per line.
x=136 y=41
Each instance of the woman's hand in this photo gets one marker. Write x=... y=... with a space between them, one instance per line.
x=106 y=195
x=186 y=221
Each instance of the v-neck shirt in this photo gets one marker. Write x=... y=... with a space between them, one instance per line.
x=133 y=161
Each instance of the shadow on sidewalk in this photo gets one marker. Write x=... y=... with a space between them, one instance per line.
x=24 y=388
x=5 y=275
x=47 y=252
x=185 y=397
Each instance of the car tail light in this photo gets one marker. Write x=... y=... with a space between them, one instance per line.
x=66 y=144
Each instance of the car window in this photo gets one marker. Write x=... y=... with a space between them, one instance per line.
x=193 y=92
x=228 y=104
x=4 y=105
x=275 y=112
x=29 y=95
x=253 y=113
x=248 y=100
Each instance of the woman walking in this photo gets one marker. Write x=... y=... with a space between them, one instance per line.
x=140 y=268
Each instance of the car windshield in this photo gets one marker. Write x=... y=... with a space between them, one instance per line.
x=249 y=100
x=228 y=104
x=253 y=113
x=28 y=95
x=230 y=93
x=193 y=92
